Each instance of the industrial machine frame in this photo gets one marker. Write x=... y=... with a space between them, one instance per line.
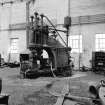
x=44 y=37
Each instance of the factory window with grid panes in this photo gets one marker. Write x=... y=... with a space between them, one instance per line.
x=100 y=42
x=75 y=42
x=14 y=45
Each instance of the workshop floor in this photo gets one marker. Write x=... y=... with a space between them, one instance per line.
x=37 y=92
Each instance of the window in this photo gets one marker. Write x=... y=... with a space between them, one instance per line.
x=14 y=45
x=75 y=42
x=100 y=42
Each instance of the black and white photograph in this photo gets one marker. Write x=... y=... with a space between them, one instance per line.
x=52 y=52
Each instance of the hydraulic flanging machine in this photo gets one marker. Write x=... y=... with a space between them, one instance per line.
x=43 y=38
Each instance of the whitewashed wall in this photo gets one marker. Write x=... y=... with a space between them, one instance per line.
x=56 y=10
x=88 y=31
x=12 y=14
x=87 y=7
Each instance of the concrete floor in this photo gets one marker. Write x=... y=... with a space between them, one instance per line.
x=35 y=92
